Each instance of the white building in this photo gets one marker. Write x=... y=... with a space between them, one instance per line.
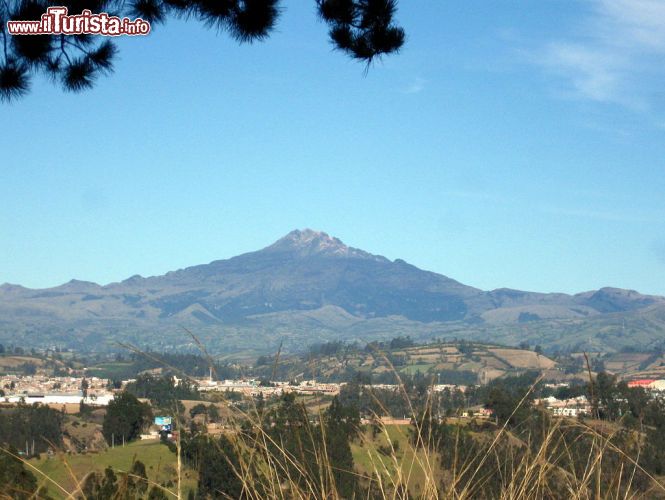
x=53 y=399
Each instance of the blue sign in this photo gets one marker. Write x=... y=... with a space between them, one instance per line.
x=163 y=421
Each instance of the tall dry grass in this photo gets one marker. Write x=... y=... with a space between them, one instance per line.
x=569 y=459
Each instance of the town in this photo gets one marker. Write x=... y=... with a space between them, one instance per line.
x=69 y=393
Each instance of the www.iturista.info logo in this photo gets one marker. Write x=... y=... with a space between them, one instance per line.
x=56 y=21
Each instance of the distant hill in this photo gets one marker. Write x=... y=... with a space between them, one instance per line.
x=308 y=287
x=447 y=363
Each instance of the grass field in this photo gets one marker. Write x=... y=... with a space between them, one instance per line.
x=69 y=470
x=523 y=359
x=115 y=370
x=418 y=367
x=11 y=362
x=368 y=460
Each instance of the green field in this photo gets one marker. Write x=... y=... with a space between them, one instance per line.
x=418 y=367
x=115 y=370
x=412 y=466
x=70 y=470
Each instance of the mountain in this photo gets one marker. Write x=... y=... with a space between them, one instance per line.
x=304 y=288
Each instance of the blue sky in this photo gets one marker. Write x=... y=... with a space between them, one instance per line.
x=510 y=144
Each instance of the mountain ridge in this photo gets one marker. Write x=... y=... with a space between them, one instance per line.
x=283 y=285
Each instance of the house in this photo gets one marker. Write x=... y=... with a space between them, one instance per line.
x=645 y=383
x=568 y=411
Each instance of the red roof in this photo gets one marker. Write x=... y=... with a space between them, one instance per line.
x=641 y=382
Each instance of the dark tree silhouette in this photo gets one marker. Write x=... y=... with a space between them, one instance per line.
x=218 y=473
x=31 y=423
x=363 y=29
x=125 y=418
x=15 y=480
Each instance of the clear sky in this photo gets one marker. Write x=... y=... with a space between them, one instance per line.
x=510 y=144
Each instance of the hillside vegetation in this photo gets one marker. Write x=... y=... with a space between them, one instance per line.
x=443 y=362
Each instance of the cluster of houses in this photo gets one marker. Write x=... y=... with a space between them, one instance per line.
x=572 y=407
x=93 y=391
x=580 y=406
x=652 y=385
x=54 y=391
x=434 y=388
x=253 y=387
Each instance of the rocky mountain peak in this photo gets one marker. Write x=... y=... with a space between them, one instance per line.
x=308 y=242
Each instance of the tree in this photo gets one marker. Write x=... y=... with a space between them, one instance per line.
x=100 y=487
x=401 y=342
x=511 y=397
x=15 y=479
x=199 y=409
x=84 y=409
x=125 y=417
x=109 y=485
x=219 y=469
x=162 y=391
x=319 y=452
x=210 y=412
x=343 y=419
x=342 y=424
x=29 y=368
x=607 y=404
x=465 y=347
x=136 y=482
x=213 y=413
x=363 y=29
x=36 y=424
x=157 y=493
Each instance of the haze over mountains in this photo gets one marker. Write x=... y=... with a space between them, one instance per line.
x=308 y=287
